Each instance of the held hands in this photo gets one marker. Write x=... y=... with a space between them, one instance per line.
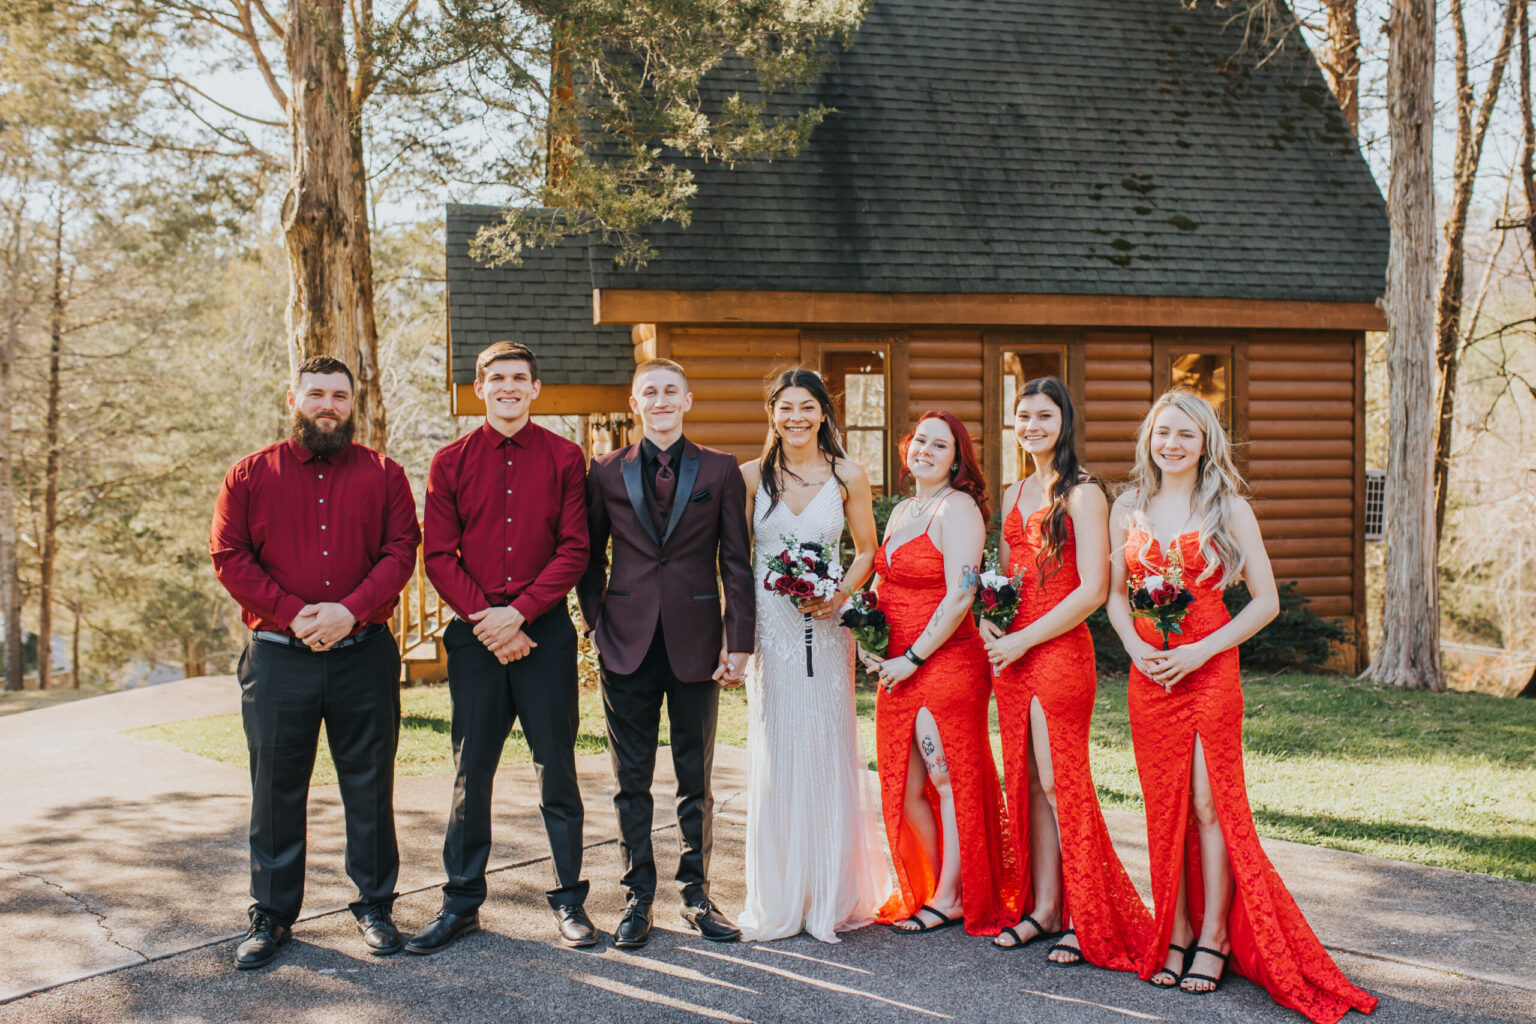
x=989 y=630
x=321 y=625
x=732 y=670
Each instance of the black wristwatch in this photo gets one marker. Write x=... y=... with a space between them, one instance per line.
x=914 y=659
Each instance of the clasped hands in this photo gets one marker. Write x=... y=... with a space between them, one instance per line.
x=500 y=628
x=889 y=672
x=318 y=626
x=1165 y=668
x=1003 y=648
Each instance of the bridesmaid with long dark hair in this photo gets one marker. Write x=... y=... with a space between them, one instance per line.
x=944 y=815
x=1217 y=899
x=1056 y=538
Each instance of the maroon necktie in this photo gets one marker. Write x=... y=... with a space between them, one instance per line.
x=665 y=489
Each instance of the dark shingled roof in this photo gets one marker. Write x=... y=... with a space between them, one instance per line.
x=1104 y=147
x=546 y=303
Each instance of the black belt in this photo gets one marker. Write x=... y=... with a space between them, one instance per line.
x=270 y=637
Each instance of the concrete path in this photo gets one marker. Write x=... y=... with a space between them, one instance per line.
x=121 y=853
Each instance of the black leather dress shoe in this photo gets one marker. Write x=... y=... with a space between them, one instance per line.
x=442 y=932
x=705 y=918
x=634 y=928
x=575 y=926
x=261 y=942
x=379 y=933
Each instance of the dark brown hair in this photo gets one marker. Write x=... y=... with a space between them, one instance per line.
x=1069 y=472
x=499 y=350
x=828 y=438
x=322 y=364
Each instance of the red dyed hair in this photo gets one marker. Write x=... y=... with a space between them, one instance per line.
x=967 y=478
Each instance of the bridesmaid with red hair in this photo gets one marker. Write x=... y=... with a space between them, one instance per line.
x=943 y=807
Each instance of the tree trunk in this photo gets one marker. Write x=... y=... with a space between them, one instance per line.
x=74 y=648
x=1527 y=129
x=1469 y=154
x=1409 y=653
x=325 y=213
x=1343 y=61
x=50 y=538
x=10 y=578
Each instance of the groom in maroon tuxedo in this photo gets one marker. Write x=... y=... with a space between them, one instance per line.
x=674 y=512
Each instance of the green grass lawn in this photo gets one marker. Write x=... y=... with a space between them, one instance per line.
x=1444 y=779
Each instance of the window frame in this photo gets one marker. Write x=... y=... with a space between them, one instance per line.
x=1069 y=346
x=1234 y=407
x=815 y=345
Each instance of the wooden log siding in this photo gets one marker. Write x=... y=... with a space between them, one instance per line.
x=1303 y=458
x=727 y=367
x=944 y=372
x=1117 y=392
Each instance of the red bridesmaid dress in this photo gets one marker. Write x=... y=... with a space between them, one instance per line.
x=1098 y=900
x=954 y=685
x=1272 y=944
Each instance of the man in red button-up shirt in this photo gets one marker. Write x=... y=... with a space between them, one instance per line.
x=506 y=540
x=314 y=537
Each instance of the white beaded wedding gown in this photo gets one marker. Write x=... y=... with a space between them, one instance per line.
x=815 y=857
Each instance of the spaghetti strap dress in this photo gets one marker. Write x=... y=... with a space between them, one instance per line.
x=1099 y=901
x=954 y=684
x=1272 y=944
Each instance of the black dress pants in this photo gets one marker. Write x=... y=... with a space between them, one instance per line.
x=632 y=706
x=539 y=692
x=286 y=693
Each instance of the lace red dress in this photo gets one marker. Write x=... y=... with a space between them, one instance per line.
x=954 y=685
x=1272 y=944
x=1099 y=902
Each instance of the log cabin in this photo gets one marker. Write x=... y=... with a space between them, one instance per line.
x=1105 y=190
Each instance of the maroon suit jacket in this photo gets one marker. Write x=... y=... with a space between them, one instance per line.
x=669 y=578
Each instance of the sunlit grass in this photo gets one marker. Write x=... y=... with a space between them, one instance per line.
x=1442 y=779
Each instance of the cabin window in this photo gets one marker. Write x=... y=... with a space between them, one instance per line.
x=1019 y=366
x=1208 y=373
x=857 y=381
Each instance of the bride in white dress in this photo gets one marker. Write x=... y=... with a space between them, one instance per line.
x=815 y=856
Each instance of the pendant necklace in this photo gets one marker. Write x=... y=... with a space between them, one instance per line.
x=919 y=508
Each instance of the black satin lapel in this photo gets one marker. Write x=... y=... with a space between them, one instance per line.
x=636 y=492
x=685 y=481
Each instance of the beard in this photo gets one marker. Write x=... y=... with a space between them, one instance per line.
x=322 y=442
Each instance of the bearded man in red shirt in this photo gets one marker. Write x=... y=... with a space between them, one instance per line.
x=314 y=537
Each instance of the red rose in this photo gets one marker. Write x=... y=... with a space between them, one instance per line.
x=989 y=598
x=786 y=584
x=1164 y=594
x=803 y=588
x=871 y=600
x=784 y=556
x=810 y=563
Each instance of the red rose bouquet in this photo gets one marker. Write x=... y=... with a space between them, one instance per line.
x=804 y=571
x=1162 y=599
x=997 y=597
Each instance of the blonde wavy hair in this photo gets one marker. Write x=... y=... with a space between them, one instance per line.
x=1216 y=487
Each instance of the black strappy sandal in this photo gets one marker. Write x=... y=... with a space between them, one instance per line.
x=1076 y=951
x=1215 y=982
x=1177 y=977
x=923 y=926
x=1020 y=942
